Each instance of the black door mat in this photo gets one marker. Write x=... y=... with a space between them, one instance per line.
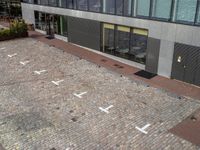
x=50 y=37
x=145 y=74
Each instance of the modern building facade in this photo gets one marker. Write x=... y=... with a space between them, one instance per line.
x=160 y=36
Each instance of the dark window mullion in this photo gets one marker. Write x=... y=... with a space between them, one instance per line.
x=197 y=11
x=150 y=9
x=172 y=10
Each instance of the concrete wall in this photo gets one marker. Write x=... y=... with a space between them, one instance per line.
x=168 y=33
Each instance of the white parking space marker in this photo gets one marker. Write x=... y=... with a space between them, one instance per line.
x=106 y=109
x=12 y=55
x=143 y=128
x=24 y=62
x=40 y=72
x=57 y=82
x=79 y=95
x=2 y=48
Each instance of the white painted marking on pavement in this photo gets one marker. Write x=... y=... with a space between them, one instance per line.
x=2 y=48
x=39 y=72
x=79 y=95
x=143 y=128
x=15 y=54
x=57 y=82
x=24 y=62
x=106 y=109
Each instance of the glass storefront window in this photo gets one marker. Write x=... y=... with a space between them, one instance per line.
x=161 y=9
x=52 y=24
x=122 y=41
x=143 y=8
x=63 y=3
x=185 y=10
x=127 y=7
x=109 y=6
x=138 y=45
x=95 y=5
x=119 y=7
x=108 y=38
x=82 y=5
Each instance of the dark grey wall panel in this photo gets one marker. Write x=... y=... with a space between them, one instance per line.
x=153 y=49
x=84 y=32
x=186 y=63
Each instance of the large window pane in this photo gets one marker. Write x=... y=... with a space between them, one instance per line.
x=40 y=20
x=95 y=5
x=119 y=7
x=122 y=41
x=109 y=6
x=71 y=4
x=185 y=10
x=143 y=7
x=82 y=5
x=108 y=38
x=44 y=2
x=138 y=45
x=63 y=3
x=127 y=7
x=161 y=8
x=53 y=2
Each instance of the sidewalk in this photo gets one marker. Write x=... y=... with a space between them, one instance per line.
x=174 y=86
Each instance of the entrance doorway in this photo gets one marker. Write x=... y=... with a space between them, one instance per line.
x=50 y=25
x=186 y=64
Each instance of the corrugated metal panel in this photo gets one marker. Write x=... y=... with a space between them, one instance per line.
x=153 y=49
x=187 y=68
x=84 y=32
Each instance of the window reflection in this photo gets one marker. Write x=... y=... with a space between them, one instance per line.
x=185 y=10
x=95 y=5
x=109 y=6
x=82 y=4
x=108 y=38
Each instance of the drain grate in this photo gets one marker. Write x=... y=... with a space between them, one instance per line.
x=145 y=74
x=118 y=66
x=103 y=60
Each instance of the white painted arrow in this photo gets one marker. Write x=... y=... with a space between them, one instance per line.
x=39 y=72
x=24 y=62
x=143 y=128
x=57 y=82
x=106 y=109
x=12 y=55
x=79 y=95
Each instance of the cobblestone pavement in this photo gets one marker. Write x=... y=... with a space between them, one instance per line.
x=36 y=114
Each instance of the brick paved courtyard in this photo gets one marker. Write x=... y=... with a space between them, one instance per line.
x=85 y=107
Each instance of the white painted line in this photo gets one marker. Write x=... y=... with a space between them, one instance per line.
x=15 y=54
x=143 y=128
x=57 y=82
x=39 y=72
x=24 y=62
x=79 y=95
x=2 y=48
x=106 y=109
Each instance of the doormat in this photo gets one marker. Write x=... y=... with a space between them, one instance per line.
x=145 y=74
x=50 y=37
